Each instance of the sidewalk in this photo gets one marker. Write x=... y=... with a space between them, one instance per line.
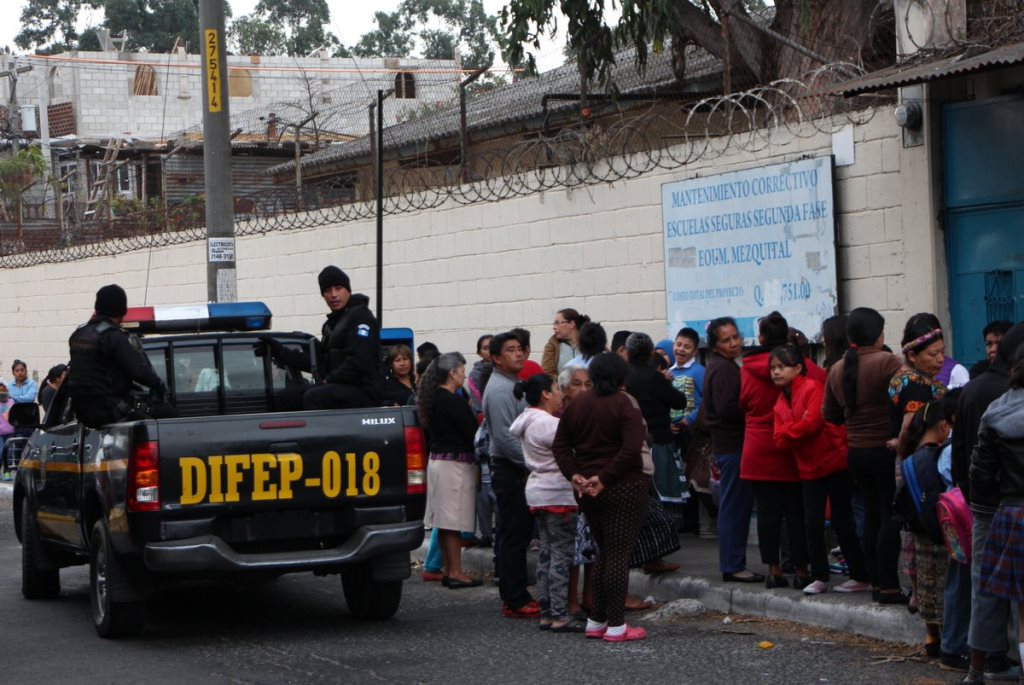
x=698 y=578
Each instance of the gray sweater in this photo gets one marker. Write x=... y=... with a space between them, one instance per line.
x=500 y=409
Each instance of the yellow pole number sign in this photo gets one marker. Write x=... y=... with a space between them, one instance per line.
x=214 y=90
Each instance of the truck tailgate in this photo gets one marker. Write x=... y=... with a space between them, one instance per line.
x=298 y=461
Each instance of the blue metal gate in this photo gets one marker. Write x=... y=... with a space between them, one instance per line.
x=983 y=151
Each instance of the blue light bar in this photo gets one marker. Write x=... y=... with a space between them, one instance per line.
x=396 y=336
x=232 y=316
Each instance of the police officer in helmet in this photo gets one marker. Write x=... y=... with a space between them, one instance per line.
x=105 y=361
x=349 y=352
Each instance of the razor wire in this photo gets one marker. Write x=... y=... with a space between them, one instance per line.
x=624 y=143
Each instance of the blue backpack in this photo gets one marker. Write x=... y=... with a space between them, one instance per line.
x=918 y=497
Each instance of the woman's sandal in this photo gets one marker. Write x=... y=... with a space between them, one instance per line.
x=632 y=633
x=571 y=626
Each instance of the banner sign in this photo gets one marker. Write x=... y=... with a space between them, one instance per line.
x=748 y=242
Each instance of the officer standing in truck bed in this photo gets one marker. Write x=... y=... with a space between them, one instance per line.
x=105 y=361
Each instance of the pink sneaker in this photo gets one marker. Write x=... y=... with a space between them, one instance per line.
x=852 y=586
x=632 y=633
x=596 y=634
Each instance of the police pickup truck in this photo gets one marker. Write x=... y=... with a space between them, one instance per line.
x=230 y=489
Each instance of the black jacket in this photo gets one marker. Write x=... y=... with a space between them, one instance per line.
x=656 y=397
x=975 y=398
x=997 y=463
x=104 y=364
x=349 y=349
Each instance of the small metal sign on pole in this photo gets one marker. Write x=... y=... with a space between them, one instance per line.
x=221 y=277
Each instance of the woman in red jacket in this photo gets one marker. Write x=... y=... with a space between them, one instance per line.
x=772 y=470
x=820 y=451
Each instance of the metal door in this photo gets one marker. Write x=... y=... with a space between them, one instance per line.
x=984 y=198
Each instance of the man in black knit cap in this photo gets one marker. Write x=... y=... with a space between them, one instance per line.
x=105 y=361
x=349 y=352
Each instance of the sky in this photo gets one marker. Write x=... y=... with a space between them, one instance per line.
x=349 y=21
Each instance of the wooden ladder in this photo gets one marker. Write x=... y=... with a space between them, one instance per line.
x=99 y=191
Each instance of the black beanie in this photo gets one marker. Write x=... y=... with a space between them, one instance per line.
x=111 y=301
x=332 y=276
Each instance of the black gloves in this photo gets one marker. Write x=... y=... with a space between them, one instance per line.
x=278 y=351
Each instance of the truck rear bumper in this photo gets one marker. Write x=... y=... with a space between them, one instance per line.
x=211 y=553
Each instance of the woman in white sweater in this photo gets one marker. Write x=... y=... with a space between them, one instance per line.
x=550 y=497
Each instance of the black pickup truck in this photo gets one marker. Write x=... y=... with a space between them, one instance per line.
x=229 y=490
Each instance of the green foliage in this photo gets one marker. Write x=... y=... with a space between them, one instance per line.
x=424 y=109
x=389 y=39
x=19 y=172
x=153 y=24
x=254 y=36
x=302 y=22
x=644 y=24
x=48 y=26
x=438 y=27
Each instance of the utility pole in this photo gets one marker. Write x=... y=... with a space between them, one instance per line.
x=13 y=109
x=221 y=276
x=381 y=94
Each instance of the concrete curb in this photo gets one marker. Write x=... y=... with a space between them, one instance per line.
x=844 y=613
x=847 y=614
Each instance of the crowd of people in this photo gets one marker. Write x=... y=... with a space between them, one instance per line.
x=900 y=463
x=24 y=391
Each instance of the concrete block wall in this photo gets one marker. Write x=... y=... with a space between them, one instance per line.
x=100 y=85
x=457 y=271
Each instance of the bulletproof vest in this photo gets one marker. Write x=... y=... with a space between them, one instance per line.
x=333 y=339
x=90 y=372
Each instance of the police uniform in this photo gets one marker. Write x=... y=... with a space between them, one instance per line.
x=348 y=353
x=105 y=361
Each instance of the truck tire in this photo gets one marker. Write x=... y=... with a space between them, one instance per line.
x=111 y=619
x=40 y=578
x=368 y=598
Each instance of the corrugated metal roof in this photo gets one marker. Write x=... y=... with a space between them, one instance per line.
x=965 y=62
x=521 y=101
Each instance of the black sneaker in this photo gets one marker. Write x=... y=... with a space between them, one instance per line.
x=954 y=662
x=1000 y=668
x=973 y=678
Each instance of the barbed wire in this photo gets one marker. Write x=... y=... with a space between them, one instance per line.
x=942 y=27
x=587 y=143
x=620 y=142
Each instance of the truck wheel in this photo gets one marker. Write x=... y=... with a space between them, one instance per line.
x=40 y=579
x=367 y=598
x=112 y=619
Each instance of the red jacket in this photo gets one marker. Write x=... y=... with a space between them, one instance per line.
x=530 y=368
x=820 y=447
x=762 y=460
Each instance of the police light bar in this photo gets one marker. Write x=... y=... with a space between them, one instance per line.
x=233 y=316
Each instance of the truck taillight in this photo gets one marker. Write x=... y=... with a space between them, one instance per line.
x=144 y=477
x=415 y=461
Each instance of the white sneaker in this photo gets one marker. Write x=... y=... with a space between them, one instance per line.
x=852 y=586
x=816 y=588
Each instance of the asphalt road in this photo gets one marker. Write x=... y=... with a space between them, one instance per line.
x=297 y=630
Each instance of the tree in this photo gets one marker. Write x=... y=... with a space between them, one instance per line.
x=18 y=174
x=389 y=39
x=154 y=24
x=254 y=36
x=48 y=26
x=837 y=30
x=302 y=22
x=438 y=27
